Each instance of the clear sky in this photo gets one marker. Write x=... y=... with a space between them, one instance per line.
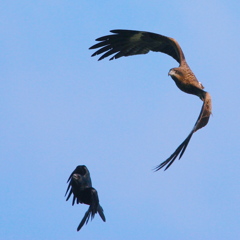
x=61 y=108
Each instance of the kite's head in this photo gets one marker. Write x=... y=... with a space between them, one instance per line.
x=175 y=72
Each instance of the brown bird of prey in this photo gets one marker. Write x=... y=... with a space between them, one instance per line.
x=123 y=43
x=80 y=185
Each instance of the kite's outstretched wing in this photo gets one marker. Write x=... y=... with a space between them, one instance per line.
x=129 y=42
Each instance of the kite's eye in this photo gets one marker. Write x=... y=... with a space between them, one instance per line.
x=177 y=72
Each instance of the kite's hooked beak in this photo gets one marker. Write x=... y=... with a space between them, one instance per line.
x=171 y=72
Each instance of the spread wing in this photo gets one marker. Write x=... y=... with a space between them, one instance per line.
x=129 y=42
x=78 y=180
x=201 y=122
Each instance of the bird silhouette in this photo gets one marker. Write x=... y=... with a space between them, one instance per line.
x=80 y=185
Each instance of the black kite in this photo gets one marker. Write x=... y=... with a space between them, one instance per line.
x=128 y=42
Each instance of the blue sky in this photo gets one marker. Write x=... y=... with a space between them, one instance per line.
x=61 y=108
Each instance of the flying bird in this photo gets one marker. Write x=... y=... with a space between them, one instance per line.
x=123 y=43
x=80 y=185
